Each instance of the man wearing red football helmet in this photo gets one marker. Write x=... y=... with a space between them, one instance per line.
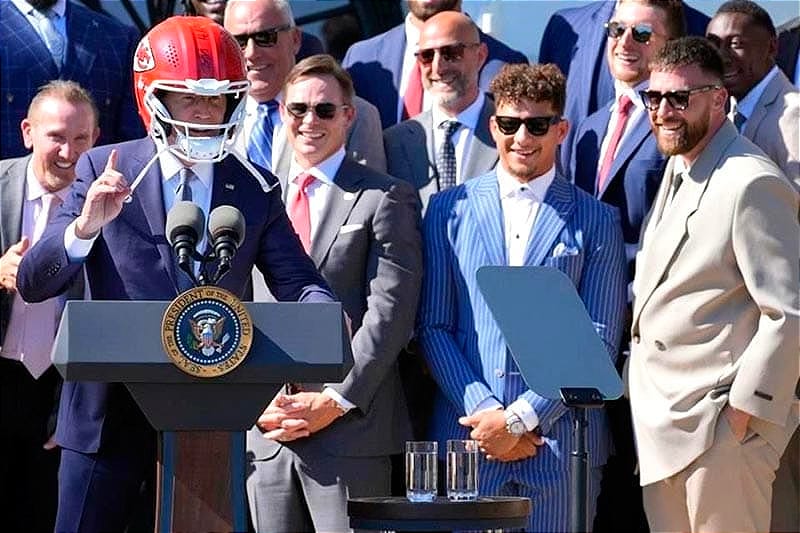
x=190 y=84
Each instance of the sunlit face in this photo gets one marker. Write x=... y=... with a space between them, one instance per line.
x=628 y=59
x=748 y=50
x=187 y=107
x=685 y=132
x=267 y=66
x=523 y=155
x=315 y=139
x=58 y=132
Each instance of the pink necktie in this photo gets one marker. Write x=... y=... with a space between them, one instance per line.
x=299 y=211
x=623 y=110
x=412 y=100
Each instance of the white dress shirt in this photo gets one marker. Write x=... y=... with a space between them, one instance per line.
x=462 y=137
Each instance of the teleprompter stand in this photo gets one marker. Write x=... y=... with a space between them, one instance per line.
x=558 y=352
x=201 y=470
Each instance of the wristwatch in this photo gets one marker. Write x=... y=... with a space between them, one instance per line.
x=514 y=424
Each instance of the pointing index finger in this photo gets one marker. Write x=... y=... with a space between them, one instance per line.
x=111 y=164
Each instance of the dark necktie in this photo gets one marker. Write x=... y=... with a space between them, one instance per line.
x=184 y=192
x=259 y=148
x=446 y=158
x=738 y=120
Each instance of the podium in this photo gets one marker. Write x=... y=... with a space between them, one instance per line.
x=201 y=421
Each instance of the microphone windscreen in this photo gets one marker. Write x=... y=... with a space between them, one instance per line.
x=185 y=217
x=226 y=219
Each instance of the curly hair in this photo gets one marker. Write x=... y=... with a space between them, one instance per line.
x=539 y=83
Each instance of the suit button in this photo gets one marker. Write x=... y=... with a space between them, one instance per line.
x=499 y=373
x=660 y=346
x=636 y=339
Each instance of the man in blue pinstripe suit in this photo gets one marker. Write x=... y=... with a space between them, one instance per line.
x=523 y=213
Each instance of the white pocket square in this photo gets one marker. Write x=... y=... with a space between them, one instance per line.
x=562 y=249
x=349 y=228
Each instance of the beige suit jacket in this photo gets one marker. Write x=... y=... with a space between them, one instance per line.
x=715 y=314
x=775 y=125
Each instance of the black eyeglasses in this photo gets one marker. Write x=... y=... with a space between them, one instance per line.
x=263 y=38
x=677 y=99
x=323 y=110
x=450 y=52
x=537 y=126
x=641 y=33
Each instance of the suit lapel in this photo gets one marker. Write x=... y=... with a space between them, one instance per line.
x=760 y=110
x=634 y=138
x=596 y=124
x=283 y=162
x=482 y=155
x=12 y=198
x=484 y=201
x=343 y=195
x=550 y=220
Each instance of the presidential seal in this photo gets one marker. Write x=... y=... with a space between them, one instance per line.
x=206 y=331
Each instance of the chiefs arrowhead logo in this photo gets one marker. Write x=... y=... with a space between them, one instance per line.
x=143 y=58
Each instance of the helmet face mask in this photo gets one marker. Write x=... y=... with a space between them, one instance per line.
x=190 y=55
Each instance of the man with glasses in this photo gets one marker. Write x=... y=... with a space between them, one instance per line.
x=317 y=445
x=450 y=142
x=522 y=213
x=614 y=156
x=269 y=39
x=386 y=73
x=714 y=349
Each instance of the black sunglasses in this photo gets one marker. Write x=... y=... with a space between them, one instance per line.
x=263 y=38
x=323 y=110
x=537 y=126
x=450 y=52
x=677 y=99
x=641 y=33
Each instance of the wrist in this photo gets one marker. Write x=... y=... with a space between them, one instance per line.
x=514 y=424
x=81 y=232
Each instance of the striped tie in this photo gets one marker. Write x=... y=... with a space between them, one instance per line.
x=259 y=149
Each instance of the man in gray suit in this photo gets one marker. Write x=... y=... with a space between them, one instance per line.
x=60 y=125
x=450 y=57
x=714 y=346
x=312 y=449
x=767 y=105
x=270 y=40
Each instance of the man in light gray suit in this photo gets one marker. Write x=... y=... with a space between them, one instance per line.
x=312 y=449
x=714 y=345
x=270 y=40
x=450 y=56
x=60 y=125
x=767 y=105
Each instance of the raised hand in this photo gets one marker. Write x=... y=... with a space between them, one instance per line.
x=103 y=200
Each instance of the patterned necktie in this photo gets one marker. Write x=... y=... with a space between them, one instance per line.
x=259 y=149
x=184 y=191
x=300 y=211
x=623 y=111
x=55 y=42
x=412 y=100
x=446 y=158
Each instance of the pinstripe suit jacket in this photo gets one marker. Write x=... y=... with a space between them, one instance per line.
x=99 y=57
x=464 y=348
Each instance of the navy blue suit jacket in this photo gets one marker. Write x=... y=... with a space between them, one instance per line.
x=99 y=57
x=634 y=176
x=376 y=64
x=132 y=260
x=575 y=40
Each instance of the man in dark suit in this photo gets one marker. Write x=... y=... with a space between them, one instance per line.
x=382 y=67
x=313 y=449
x=415 y=148
x=60 y=126
x=575 y=39
x=615 y=158
x=789 y=49
x=96 y=53
x=108 y=445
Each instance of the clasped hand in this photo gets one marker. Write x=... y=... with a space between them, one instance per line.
x=293 y=416
x=489 y=430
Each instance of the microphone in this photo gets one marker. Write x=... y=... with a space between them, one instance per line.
x=185 y=224
x=226 y=229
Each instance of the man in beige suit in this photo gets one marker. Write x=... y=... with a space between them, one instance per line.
x=714 y=349
x=766 y=106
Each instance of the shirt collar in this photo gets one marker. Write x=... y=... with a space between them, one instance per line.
x=170 y=166
x=631 y=92
x=748 y=104
x=468 y=117
x=251 y=104
x=34 y=189
x=60 y=7
x=509 y=186
x=324 y=172
x=412 y=35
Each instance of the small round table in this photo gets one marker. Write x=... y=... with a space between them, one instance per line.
x=400 y=514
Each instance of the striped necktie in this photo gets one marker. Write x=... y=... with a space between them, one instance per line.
x=259 y=149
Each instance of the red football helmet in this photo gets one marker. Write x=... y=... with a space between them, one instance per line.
x=190 y=55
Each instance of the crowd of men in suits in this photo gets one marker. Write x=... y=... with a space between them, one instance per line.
x=659 y=172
